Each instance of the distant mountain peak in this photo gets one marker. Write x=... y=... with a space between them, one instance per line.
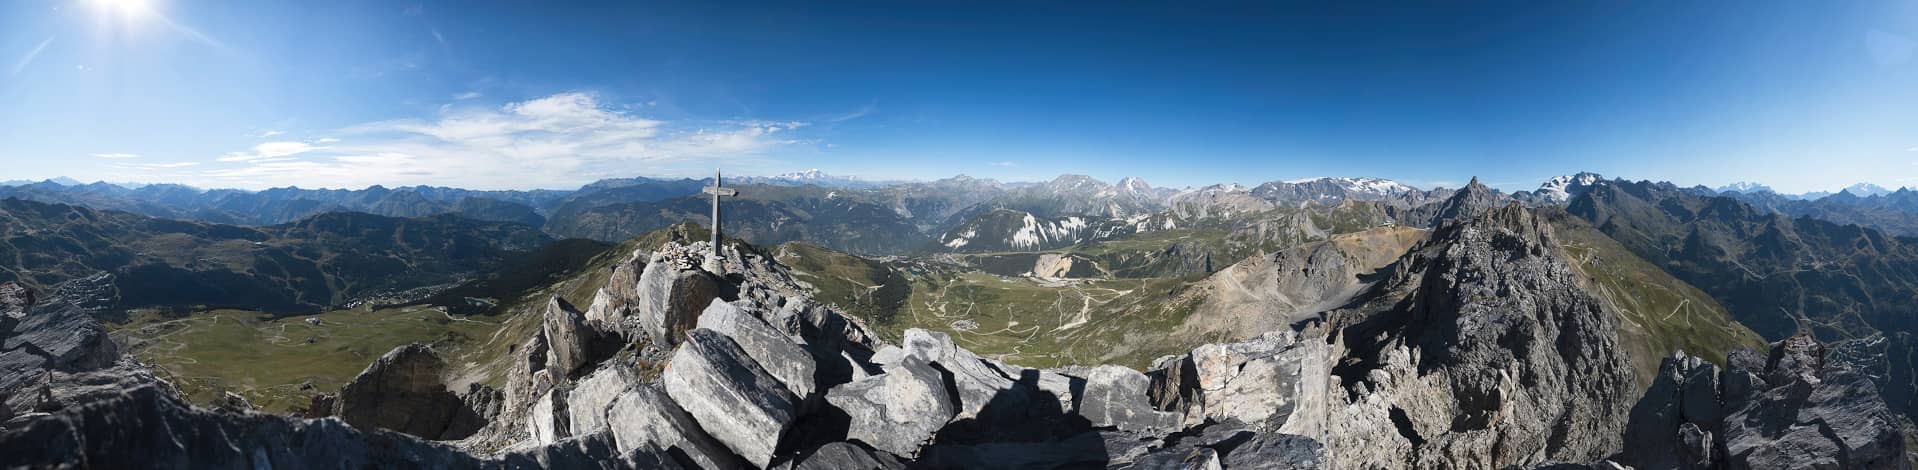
x=1866 y=190
x=1745 y=187
x=1564 y=188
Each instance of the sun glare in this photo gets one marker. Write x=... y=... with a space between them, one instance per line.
x=124 y=8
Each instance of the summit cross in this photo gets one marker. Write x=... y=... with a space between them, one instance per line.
x=718 y=191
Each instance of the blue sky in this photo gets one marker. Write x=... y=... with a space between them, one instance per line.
x=1801 y=96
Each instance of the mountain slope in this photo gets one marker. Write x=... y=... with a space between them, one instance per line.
x=1852 y=286
x=323 y=261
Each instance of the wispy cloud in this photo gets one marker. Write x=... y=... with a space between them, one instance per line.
x=115 y=155
x=271 y=150
x=32 y=54
x=554 y=141
x=270 y=134
x=467 y=95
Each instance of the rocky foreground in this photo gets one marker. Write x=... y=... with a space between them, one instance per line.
x=1479 y=349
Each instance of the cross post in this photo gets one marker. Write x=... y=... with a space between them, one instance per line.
x=718 y=191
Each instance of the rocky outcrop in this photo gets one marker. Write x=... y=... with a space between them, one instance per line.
x=772 y=350
x=898 y=411
x=663 y=301
x=40 y=335
x=730 y=395
x=1115 y=397
x=1792 y=409
x=1480 y=351
x=403 y=391
x=148 y=427
x=572 y=342
x=645 y=417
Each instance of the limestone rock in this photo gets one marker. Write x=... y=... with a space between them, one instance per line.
x=669 y=298
x=147 y=427
x=572 y=342
x=644 y=417
x=1182 y=459
x=774 y=351
x=897 y=411
x=548 y=419
x=587 y=403
x=403 y=391
x=41 y=335
x=1831 y=416
x=730 y=395
x=1116 y=397
x=848 y=456
x=1277 y=452
x=978 y=383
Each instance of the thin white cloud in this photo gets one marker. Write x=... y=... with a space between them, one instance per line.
x=1913 y=149
x=115 y=155
x=28 y=59
x=271 y=150
x=555 y=141
x=467 y=95
x=326 y=140
x=270 y=134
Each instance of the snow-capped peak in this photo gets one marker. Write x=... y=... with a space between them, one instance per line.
x=1562 y=188
x=808 y=175
x=1866 y=190
x=1745 y=187
x=1133 y=184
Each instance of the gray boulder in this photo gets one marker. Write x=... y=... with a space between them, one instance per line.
x=669 y=297
x=898 y=411
x=645 y=418
x=548 y=421
x=730 y=395
x=848 y=456
x=42 y=335
x=1277 y=452
x=774 y=351
x=572 y=341
x=1115 y=397
x=403 y=391
x=587 y=403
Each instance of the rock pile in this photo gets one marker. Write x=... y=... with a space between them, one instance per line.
x=1789 y=409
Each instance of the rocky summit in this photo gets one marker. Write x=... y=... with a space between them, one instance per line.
x=1478 y=343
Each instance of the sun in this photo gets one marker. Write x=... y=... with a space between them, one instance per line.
x=124 y=8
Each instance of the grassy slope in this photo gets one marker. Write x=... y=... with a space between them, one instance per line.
x=267 y=359
x=1661 y=314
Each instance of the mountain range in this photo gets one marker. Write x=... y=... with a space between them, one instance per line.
x=966 y=323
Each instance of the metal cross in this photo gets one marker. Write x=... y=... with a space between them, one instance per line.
x=717 y=191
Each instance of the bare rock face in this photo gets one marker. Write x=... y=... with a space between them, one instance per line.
x=847 y=456
x=1483 y=351
x=1115 y=397
x=898 y=411
x=1653 y=438
x=670 y=295
x=571 y=342
x=645 y=417
x=774 y=351
x=403 y=391
x=1812 y=414
x=1792 y=409
x=730 y=395
x=38 y=336
x=148 y=427
x=587 y=403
